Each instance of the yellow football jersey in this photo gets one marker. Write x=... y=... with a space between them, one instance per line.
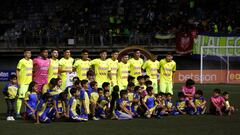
x=113 y=65
x=53 y=69
x=166 y=70
x=25 y=68
x=101 y=70
x=151 y=68
x=122 y=75
x=82 y=68
x=135 y=67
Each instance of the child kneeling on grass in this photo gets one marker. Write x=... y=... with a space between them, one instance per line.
x=199 y=102
x=45 y=110
x=31 y=101
x=103 y=103
x=149 y=102
x=93 y=99
x=136 y=101
x=161 y=109
x=170 y=108
x=61 y=106
x=217 y=106
x=182 y=105
x=228 y=108
x=123 y=108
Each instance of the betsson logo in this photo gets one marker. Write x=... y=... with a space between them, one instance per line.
x=197 y=77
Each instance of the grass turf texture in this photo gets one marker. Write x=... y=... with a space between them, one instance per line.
x=177 y=125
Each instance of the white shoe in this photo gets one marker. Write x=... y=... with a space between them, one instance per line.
x=84 y=119
x=76 y=118
x=95 y=118
x=12 y=118
x=9 y=118
x=103 y=116
x=148 y=116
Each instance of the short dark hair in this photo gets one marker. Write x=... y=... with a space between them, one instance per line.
x=168 y=94
x=12 y=76
x=105 y=91
x=123 y=92
x=169 y=53
x=225 y=93
x=75 y=78
x=64 y=50
x=43 y=49
x=57 y=79
x=157 y=95
x=31 y=85
x=77 y=82
x=99 y=89
x=148 y=82
x=26 y=50
x=90 y=73
x=93 y=83
x=135 y=50
x=62 y=96
x=105 y=84
x=140 y=77
x=73 y=91
x=181 y=95
x=130 y=84
x=116 y=88
x=46 y=96
x=84 y=51
x=217 y=91
x=53 y=81
x=136 y=88
x=83 y=82
x=54 y=49
x=146 y=76
x=199 y=92
x=130 y=78
x=149 y=89
x=114 y=51
x=102 y=51
x=161 y=93
x=190 y=82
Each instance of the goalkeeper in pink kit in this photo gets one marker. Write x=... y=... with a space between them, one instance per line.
x=40 y=69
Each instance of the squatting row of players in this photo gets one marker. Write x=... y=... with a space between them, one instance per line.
x=82 y=88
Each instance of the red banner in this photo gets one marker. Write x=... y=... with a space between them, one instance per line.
x=184 y=43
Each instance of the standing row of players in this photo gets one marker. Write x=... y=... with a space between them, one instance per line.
x=42 y=69
x=85 y=100
x=44 y=72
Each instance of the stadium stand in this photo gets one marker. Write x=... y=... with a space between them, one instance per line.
x=107 y=23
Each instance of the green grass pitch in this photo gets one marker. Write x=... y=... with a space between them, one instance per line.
x=170 y=125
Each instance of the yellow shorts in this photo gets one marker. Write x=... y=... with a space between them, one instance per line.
x=113 y=83
x=122 y=86
x=155 y=85
x=64 y=84
x=22 y=90
x=166 y=87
